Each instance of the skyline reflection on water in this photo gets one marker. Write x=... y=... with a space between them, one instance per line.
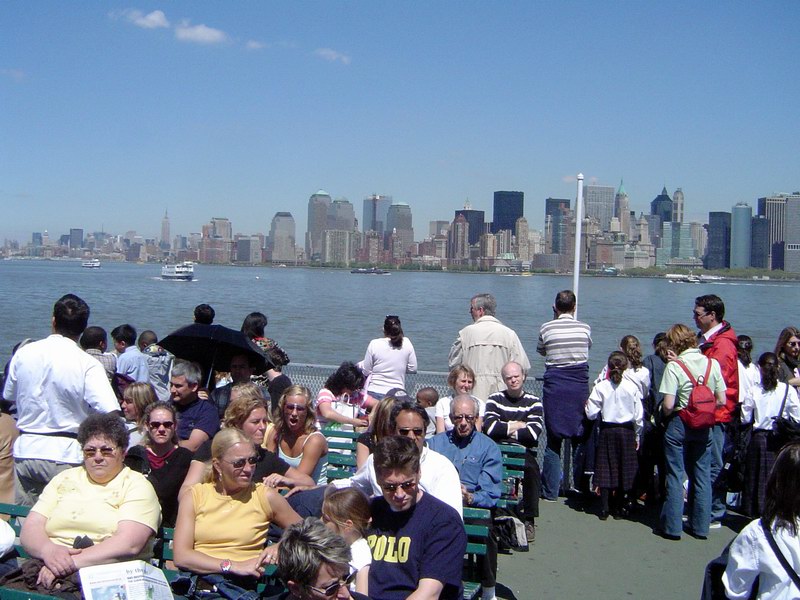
x=327 y=316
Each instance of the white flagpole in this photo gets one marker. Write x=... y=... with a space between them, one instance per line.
x=576 y=267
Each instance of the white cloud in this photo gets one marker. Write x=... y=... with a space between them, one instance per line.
x=154 y=20
x=255 y=45
x=15 y=74
x=199 y=34
x=332 y=55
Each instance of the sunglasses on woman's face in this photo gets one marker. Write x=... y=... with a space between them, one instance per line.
x=160 y=424
x=301 y=408
x=330 y=591
x=239 y=463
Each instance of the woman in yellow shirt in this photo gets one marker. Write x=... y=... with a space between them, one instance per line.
x=222 y=523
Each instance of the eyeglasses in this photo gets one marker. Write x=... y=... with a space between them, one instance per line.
x=392 y=487
x=160 y=424
x=467 y=418
x=239 y=463
x=301 y=408
x=331 y=590
x=697 y=315
x=417 y=431
x=105 y=452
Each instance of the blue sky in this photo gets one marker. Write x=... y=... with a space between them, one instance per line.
x=111 y=113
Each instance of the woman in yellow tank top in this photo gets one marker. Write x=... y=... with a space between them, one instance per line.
x=222 y=523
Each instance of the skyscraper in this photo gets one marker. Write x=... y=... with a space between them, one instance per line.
x=282 y=237
x=318 y=205
x=791 y=248
x=718 y=250
x=475 y=218
x=436 y=227
x=458 y=239
x=376 y=208
x=622 y=210
x=677 y=206
x=164 y=242
x=599 y=203
x=662 y=206
x=523 y=250
x=75 y=238
x=556 y=214
x=222 y=228
x=741 y=221
x=341 y=215
x=398 y=220
x=759 y=245
x=508 y=207
x=774 y=209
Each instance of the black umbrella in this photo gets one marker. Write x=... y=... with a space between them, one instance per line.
x=213 y=347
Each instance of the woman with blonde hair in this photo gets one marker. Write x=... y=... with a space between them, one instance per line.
x=135 y=399
x=248 y=413
x=687 y=451
x=461 y=380
x=221 y=531
x=381 y=427
x=296 y=438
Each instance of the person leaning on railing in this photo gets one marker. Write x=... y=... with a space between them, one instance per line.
x=112 y=509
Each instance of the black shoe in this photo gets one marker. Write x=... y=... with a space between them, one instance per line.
x=603 y=515
x=696 y=536
x=666 y=536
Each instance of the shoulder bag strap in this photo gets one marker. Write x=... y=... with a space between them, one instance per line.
x=779 y=555
x=708 y=373
x=688 y=373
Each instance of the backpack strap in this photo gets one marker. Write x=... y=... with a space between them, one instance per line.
x=783 y=404
x=708 y=373
x=779 y=555
x=686 y=370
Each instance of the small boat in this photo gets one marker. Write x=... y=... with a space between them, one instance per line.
x=92 y=263
x=182 y=271
x=686 y=279
x=370 y=271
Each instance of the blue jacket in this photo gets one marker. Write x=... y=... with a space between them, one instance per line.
x=478 y=462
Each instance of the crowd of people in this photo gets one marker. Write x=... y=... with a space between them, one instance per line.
x=125 y=442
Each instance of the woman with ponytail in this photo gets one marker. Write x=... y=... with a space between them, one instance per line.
x=618 y=402
x=388 y=359
x=761 y=405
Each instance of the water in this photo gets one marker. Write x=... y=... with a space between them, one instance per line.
x=327 y=316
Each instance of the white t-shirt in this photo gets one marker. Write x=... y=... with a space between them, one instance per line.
x=361 y=557
x=388 y=365
x=443 y=410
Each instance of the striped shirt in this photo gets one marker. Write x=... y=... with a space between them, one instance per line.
x=502 y=408
x=564 y=341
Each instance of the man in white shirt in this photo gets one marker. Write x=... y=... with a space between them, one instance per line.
x=55 y=386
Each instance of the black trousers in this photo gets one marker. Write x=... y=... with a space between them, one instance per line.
x=531 y=487
x=487 y=565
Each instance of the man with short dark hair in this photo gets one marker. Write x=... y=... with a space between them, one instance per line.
x=516 y=417
x=204 y=314
x=564 y=342
x=55 y=386
x=197 y=418
x=131 y=362
x=718 y=340
x=480 y=467
x=417 y=541
x=94 y=341
x=159 y=363
x=485 y=346
x=241 y=371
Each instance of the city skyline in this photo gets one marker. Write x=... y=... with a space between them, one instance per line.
x=114 y=113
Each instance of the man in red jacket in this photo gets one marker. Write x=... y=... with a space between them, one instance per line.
x=718 y=340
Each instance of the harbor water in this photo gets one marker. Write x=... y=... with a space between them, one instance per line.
x=326 y=316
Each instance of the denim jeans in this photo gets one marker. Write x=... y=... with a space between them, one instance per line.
x=687 y=452
x=717 y=492
x=551 y=468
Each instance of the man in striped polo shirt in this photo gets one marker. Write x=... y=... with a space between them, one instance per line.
x=565 y=343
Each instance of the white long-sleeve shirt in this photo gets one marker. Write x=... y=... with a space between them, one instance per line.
x=388 y=365
x=760 y=406
x=617 y=403
x=751 y=556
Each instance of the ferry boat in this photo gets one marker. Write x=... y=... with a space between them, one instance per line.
x=370 y=271
x=92 y=263
x=183 y=271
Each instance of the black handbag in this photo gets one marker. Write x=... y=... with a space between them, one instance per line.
x=784 y=429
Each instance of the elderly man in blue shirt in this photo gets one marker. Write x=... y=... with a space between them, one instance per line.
x=479 y=463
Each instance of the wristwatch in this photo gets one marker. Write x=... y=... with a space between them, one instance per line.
x=225 y=566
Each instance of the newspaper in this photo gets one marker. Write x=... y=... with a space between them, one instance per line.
x=131 y=580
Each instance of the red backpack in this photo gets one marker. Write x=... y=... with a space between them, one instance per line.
x=699 y=412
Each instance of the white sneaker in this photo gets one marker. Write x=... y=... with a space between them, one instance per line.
x=685 y=518
x=715 y=525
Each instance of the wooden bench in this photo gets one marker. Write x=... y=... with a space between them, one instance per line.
x=513 y=472
x=343 y=441
x=14 y=514
x=477 y=524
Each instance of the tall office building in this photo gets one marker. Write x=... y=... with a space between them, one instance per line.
x=458 y=239
x=556 y=213
x=475 y=218
x=791 y=248
x=676 y=242
x=164 y=242
x=599 y=203
x=759 y=244
x=699 y=238
x=774 y=209
x=282 y=237
x=741 y=221
x=677 y=206
x=318 y=205
x=341 y=215
x=337 y=246
x=523 y=237
x=718 y=249
x=437 y=227
x=376 y=208
x=622 y=210
x=662 y=206
x=75 y=238
x=508 y=207
x=248 y=249
x=399 y=222
x=221 y=228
